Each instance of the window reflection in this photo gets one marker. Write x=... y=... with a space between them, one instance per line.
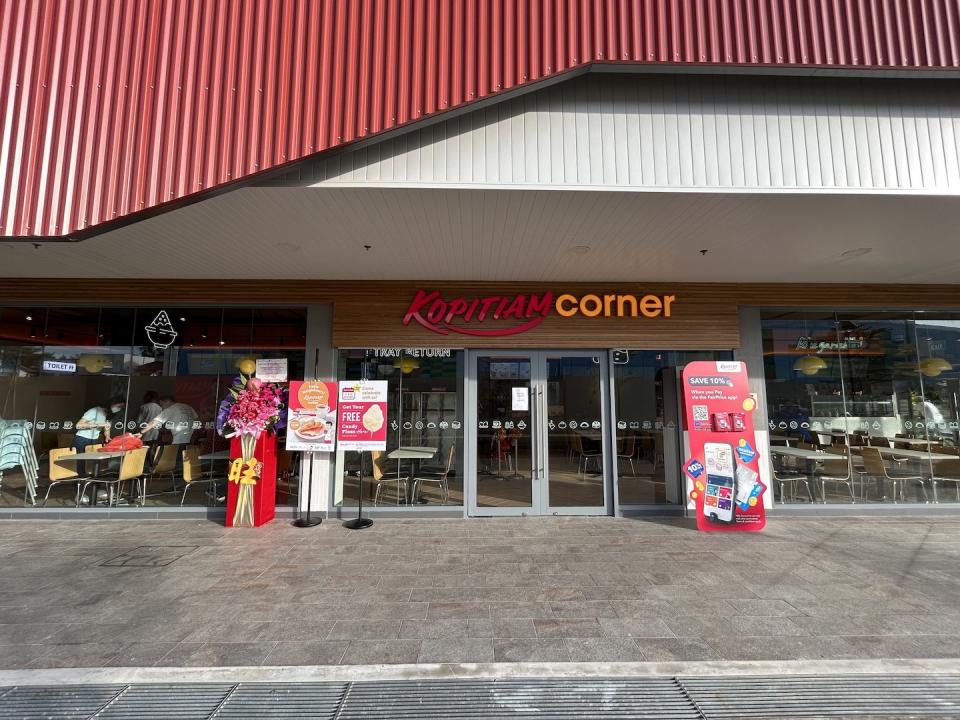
x=132 y=365
x=841 y=382
x=424 y=410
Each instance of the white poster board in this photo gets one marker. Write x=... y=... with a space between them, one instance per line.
x=362 y=415
x=273 y=370
x=521 y=399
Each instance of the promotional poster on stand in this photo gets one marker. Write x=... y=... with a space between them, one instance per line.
x=724 y=464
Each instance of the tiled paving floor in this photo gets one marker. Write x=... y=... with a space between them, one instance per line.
x=479 y=590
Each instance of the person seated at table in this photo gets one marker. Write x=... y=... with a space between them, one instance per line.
x=95 y=421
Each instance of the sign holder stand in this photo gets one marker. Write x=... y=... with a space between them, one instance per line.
x=359 y=522
x=307 y=521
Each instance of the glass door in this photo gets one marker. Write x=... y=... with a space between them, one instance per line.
x=539 y=444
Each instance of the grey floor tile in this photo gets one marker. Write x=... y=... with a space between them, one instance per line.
x=79 y=656
x=523 y=650
x=141 y=654
x=217 y=654
x=676 y=649
x=567 y=628
x=306 y=653
x=364 y=630
x=502 y=628
x=433 y=629
x=772 y=608
x=606 y=649
x=464 y=610
x=635 y=627
x=387 y=652
x=583 y=609
x=395 y=611
x=18 y=657
x=457 y=650
x=28 y=633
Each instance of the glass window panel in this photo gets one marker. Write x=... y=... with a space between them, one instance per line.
x=424 y=409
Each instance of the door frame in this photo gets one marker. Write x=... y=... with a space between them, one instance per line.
x=540 y=467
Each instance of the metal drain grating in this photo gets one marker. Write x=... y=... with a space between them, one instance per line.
x=681 y=698
x=146 y=702
x=805 y=696
x=63 y=703
x=304 y=701
x=490 y=699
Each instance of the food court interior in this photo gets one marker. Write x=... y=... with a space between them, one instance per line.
x=122 y=368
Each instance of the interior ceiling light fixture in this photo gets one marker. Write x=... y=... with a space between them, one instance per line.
x=933 y=366
x=856 y=252
x=809 y=364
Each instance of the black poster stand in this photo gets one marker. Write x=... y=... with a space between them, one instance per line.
x=359 y=522
x=307 y=521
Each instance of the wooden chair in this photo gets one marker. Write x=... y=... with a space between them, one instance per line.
x=60 y=475
x=946 y=471
x=164 y=463
x=584 y=456
x=381 y=478
x=874 y=466
x=440 y=479
x=193 y=475
x=131 y=469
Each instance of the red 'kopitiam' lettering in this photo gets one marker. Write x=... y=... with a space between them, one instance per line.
x=434 y=312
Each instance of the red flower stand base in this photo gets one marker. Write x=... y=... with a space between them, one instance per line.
x=265 y=491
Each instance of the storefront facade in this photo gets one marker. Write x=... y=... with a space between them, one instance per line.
x=535 y=399
x=527 y=232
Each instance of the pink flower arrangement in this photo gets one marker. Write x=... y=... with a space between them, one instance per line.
x=252 y=407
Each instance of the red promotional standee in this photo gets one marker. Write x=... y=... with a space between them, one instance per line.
x=724 y=464
x=265 y=490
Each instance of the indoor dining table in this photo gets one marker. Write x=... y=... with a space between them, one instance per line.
x=96 y=457
x=416 y=454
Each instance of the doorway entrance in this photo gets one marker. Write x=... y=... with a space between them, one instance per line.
x=540 y=444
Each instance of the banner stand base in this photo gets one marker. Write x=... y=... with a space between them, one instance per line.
x=358 y=523
x=306 y=522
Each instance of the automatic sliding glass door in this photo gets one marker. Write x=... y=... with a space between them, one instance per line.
x=540 y=443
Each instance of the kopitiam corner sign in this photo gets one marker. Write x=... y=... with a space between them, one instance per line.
x=467 y=315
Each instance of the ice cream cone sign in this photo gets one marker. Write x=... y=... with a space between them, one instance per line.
x=160 y=332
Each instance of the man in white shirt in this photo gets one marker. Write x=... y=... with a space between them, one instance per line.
x=176 y=417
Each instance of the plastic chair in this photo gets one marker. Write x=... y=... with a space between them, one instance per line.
x=131 y=468
x=839 y=470
x=60 y=475
x=784 y=480
x=440 y=479
x=165 y=463
x=193 y=475
x=380 y=478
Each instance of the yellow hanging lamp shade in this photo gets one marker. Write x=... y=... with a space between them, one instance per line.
x=809 y=364
x=933 y=366
x=407 y=365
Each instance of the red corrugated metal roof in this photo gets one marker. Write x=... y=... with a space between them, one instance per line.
x=117 y=107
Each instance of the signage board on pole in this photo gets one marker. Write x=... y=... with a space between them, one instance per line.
x=312 y=416
x=362 y=415
x=724 y=465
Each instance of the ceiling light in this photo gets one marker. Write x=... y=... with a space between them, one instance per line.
x=183 y=319
x=28 y=318
x=579 y=249
x=933 y=366
x=855 y=252
x=809 y=364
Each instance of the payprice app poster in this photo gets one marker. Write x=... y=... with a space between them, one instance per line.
x=724 y=464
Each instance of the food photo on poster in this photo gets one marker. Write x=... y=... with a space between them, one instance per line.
x=312 y=424
x=362 y=415
x=723 y=471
